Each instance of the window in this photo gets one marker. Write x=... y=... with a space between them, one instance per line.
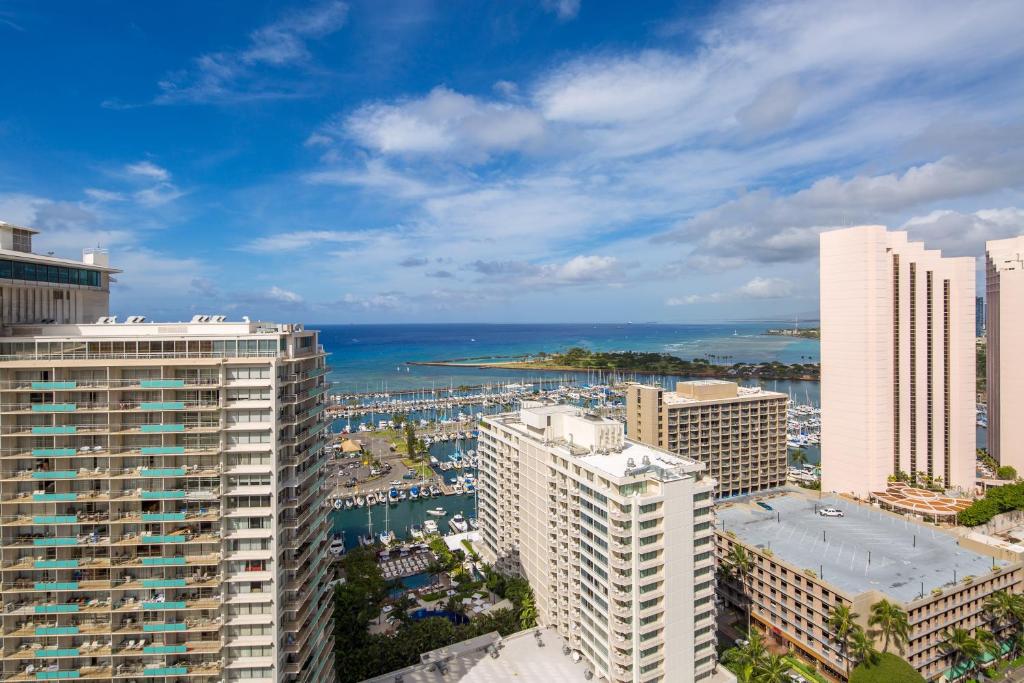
x=19 y=270
x=247 y=372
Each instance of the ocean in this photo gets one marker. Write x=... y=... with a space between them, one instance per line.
x=371 y=358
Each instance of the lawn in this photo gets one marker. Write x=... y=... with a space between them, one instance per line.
x=804 y=670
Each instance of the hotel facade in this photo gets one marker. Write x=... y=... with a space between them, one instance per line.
x=1004 y=290
x=739 y=433
x=162 y=492
x=897 y=362
x=614 y=537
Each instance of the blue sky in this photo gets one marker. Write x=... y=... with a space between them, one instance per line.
x=542 y=160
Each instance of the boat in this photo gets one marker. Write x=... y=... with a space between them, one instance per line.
x=430 y=527
x=393 y=495
x=437 y=512
x=402 y=495
x=473 y=524
x=433 y=461
x=349 y=503
x=338 y=503
x=414 y=493
x=434 y=490
x=457 y=488
x=386 y=537
x=416 y=531
x=360 y=501
x=366 y=540
x=337 y=547
x=470 y=489
x=371 y=499
x=458 y=523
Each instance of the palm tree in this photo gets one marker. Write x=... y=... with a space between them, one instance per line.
x=527 y=612
x=740 y=565
x=772 y=669
x=746 y=659
x=842 y=621
x=1005 y=609
x=959 y=643
x=862 y=646
x=988 y=643
x=892 y=623
x=798 y=457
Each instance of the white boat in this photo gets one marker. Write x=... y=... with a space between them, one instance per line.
x=473 y=524
x=437 y=512
x=386 y=537
x=360 y=501
x=458 y=524
x=338 y=503
x=337 y=547
x=371 y=499
x=433 y=461
x=430 y=527
x=416 y=531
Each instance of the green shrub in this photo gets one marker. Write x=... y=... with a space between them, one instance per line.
x=887 y=668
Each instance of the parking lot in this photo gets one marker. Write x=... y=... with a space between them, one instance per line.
x=863 y=550
x=343 y=470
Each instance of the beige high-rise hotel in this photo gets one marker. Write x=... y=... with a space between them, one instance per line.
x=739 y=433
x=897 y=361
x=614 y=536
x=1004 y=291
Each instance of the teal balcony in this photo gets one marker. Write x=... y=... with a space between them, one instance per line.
x=159 y=429
x=53 y=407
x=164 y=472
x=49 y=386
x=54 y=541
x=163 y=516
x=162 y=628
x=173 y=538
x=163 y=583
x=163 y=450
x=163 y=561
x=162 y=405
x=163 y=495
x=55 y=474
x=54 y=519
x=56 y=609
x=57 y=586
x=166 y=671
x=174 y=604
x=56 y=630
x=55 y=564
x=64 y=652
x=53 y=452
x=162 y=383
x=54 y=497
x=64 y=429
x=56 y=675
x=164 y=650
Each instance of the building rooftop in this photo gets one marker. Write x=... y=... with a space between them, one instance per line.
x=906 y=557
x=137 y=326
x=637 y=458
x=712 y=390
x=521 y=659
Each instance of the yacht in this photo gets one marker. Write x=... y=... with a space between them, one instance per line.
x=434 y=490
x=416 y=531
x=458 y=524
x=430 y=527
x=386 y=537
x=360 y=501
x=371 y=499
x=338 y=503
x=433 y=461
x=414 y=493
x=402 y=495
x=349 y=503
x=437 y=512
x=393 y=495
x=473 y=524
x=337 y=547
x=366 y=540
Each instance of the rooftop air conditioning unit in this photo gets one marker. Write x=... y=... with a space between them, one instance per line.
x=136 y=319
x=219 y=318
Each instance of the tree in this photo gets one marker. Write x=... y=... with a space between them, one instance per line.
x=410 y=440
x=772 y=669
x=1006 y=473
x=745 y=659
x=842 y=621
x=862 y=647
x=1004 y=610
x=798 y=456
x=740 y=565
x=988 y=643
x=527 y=612
x=891 y=623
x=958 y=643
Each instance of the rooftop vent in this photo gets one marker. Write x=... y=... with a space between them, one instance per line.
x=219 y=318
x=107 y=320
x=136 y=319
x=630 y=463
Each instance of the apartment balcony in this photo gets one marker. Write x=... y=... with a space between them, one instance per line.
x=621 y=657
x=49 y=672
x=190 y=624
x=38 y=651
x=73 y=627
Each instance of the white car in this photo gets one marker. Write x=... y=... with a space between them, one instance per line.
x=830 y=512
x=797 y=678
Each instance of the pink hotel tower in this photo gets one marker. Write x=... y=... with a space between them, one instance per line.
x=897 y=361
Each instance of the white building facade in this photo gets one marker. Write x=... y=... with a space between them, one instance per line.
x=898 y=362
x=615 y=538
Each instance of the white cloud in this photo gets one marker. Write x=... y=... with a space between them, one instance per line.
x=104 y=195
x=300 y=239
x=563 y=9
x=283 y=295
x=758 y=288
x=965 y=234
x=579 y=270
x=373 y=302
x=158 y=195
x=147 y=169
x=234 y=76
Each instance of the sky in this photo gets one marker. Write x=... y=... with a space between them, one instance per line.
x=514 y=161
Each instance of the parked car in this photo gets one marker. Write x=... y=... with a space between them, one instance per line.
x=830 y=512
x=796 y=678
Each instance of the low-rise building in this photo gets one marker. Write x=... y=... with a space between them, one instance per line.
x=614 y=537
x=739 y=433
x=804 y=564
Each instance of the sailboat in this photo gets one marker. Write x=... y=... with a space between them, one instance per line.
x=387 y=535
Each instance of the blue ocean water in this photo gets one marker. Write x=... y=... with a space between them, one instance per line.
x=373 y=357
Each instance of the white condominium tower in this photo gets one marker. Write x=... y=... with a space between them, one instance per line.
x=897 y=362
x=162 y=502
x=1004 y=291
x=614 y=536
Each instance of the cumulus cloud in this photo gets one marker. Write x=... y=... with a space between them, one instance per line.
x=579 y=270
x=285 y=296
x=238 y=75
x=965 y=234
x=756 y=288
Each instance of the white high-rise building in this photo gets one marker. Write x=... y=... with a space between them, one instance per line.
x=897 y=362
x=162 y=491
x=614 y=536
x=1004 y=290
